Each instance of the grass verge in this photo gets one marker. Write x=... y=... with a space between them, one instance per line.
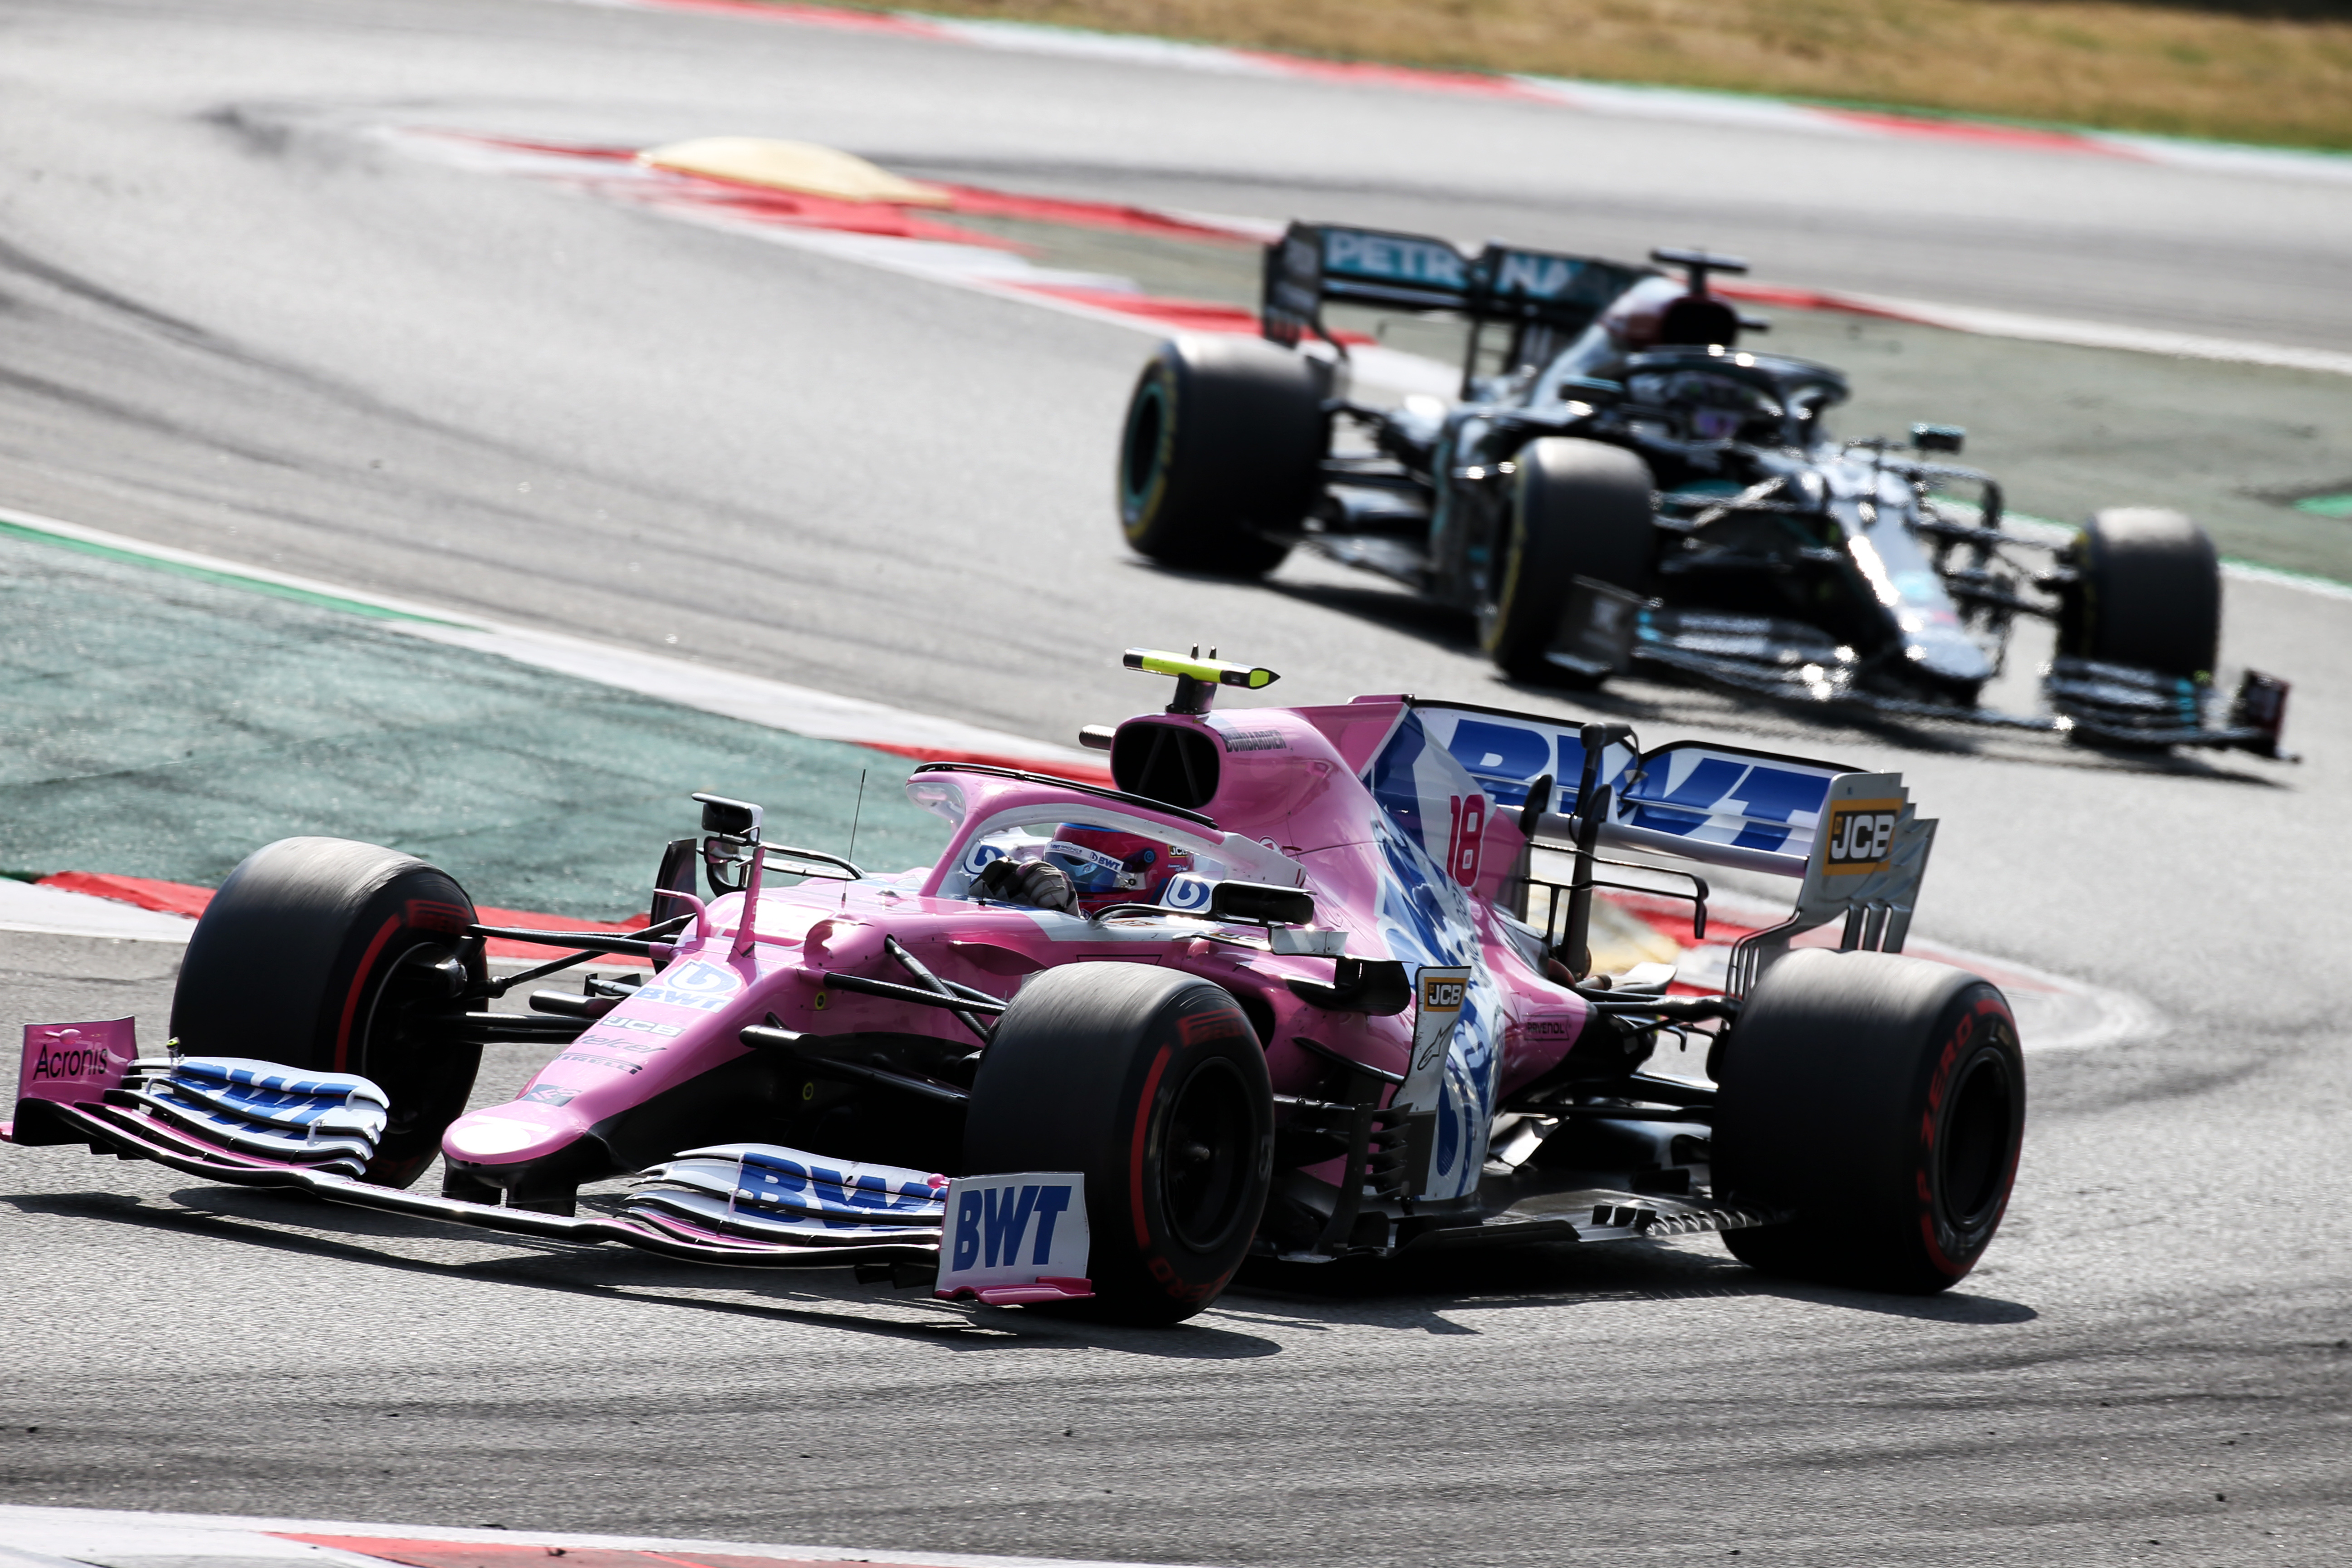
x=2278 y=74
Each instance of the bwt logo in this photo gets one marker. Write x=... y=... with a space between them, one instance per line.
x=700 y=977
x=1861 y=835
x=1187 y=892
x=989 y=1225
x=663 y=995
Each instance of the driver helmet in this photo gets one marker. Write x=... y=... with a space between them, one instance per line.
x=1714 y=407
x=1110 y=866
x=1633 y=319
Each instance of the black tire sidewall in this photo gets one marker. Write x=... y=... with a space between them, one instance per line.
x=2148 y=593
x=1577 y=509
x=1840 y=1089
x=1223 y=441
x=1083 y=1073
x=289 y=964
x=1144 y=476
x=1979 y=1034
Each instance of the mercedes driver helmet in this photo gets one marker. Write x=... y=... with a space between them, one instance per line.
x=1713 y=407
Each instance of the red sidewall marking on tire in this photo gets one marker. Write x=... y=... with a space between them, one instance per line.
x=1954 y=1050
x=1135 y=1154
x=359 y=984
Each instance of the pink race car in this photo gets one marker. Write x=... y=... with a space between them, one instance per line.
x=1308 y=984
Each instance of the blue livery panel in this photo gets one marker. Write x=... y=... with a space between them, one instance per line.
x=1703 y=794
x=1744 y=800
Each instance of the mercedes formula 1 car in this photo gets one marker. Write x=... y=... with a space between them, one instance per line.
x=1307 y=984
x=1623 y=484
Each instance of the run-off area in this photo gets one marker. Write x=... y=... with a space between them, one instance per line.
x=165 y=727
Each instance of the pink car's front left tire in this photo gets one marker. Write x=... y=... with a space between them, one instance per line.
x=1151 y=1083
x=332 y=956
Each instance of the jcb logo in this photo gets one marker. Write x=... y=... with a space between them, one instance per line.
x=1862 y=834
x=1440 y=994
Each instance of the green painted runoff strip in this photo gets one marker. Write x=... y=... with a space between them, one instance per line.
x=166 y=726
x=13 y=529
x=2326 y=505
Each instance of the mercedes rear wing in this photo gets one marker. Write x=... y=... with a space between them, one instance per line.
x=1318 y=264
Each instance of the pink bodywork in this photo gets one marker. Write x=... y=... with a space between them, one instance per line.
x=74 y=1064
x=1292 y=808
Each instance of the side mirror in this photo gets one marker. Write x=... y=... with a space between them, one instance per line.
x=1938 y=438
x=1263 y=903
x=730 y=819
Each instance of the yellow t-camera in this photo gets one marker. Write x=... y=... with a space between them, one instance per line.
x=1197 y=678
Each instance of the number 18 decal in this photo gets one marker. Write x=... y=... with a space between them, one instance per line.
x=1469 y=838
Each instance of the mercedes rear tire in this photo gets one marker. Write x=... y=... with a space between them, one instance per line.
x=1223 y=453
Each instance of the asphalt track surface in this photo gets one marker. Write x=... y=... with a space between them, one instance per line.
x=232 y=325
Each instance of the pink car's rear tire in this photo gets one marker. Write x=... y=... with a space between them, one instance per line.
x=1879 y=1102
x=321 y=953
x=1152 y=1084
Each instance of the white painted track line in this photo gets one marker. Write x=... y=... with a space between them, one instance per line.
x=80 y=1536
x=1117 y=301
x=1991 y=323
x=53 y=911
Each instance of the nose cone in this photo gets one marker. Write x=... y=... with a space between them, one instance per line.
x=1946 y=652
x=510 y=1134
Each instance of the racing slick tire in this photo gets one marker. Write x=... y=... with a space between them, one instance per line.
x=1225 y=444
x=330 y=956
x=1880 y=1102
x=1577 y=509
x=2148 y=593
x=1152 y=1084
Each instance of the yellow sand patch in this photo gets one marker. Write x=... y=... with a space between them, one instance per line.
x=801 y=167
x=1620 y=938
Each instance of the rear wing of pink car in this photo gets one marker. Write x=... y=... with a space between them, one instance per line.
x=1851 y=839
